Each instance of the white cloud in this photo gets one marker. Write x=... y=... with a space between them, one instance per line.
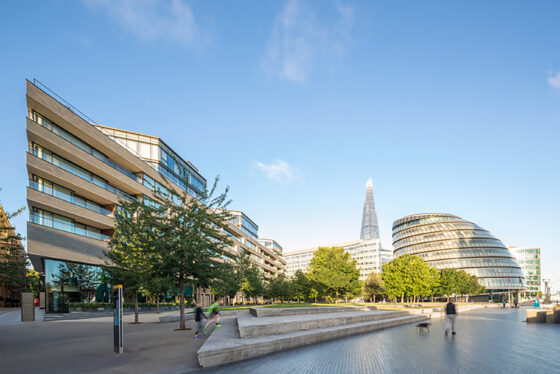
x=153 y=20
x=299 y=39
x=554 y=80
x=280 y=171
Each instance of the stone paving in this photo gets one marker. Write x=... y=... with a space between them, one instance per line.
x=487 y=341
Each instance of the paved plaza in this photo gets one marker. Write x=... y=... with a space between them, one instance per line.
x=487 y=341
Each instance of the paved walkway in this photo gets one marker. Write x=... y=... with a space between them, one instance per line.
x=12 y=316
x=487 y=341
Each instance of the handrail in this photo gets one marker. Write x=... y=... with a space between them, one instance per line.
x=66 y=197
x=57 y=97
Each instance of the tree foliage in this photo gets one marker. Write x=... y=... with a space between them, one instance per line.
x=132 y=248
x=334 y=273
x=13 y=262
x=410 y=276
x=374 y=286
x=300 y=286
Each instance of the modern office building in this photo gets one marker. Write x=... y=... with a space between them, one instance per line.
x=78 y=171
x=271 y=244
x=367 y=251
x=370 y=228
x=12 y=254
x=530 y=261
x=368 y=254
x=448 y=241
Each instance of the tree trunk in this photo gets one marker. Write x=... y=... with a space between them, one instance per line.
x=157 y=304
x=402 y=298
x=181 y=304
x=135 y=307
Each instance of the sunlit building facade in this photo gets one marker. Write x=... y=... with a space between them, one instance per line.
x=369 y=256
x=448 y=241
x=78 y=171
x=530 y=261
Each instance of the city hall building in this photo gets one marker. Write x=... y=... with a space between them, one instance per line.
x=448 y=241
x=78 y=171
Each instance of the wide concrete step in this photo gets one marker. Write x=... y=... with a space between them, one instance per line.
x=250 y=326
x=276 y=312
x=225 y=344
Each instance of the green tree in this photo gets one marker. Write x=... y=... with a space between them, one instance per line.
x=393 y=277
x=243 y=270
x=452 y=282
x=313 y=294
x=256 y=281
x=420 y=278
x=374 y=286
x=133 y=248
x=301 y=286
x=408 y=275
x=157 y=287
x=435 y=283
x=277 y=288
x=33 y=282
x=227 y=281
x=13 y=262
x=334 y=272
x=190 y=239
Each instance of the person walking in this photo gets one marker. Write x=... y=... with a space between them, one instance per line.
x=198 y=314
x=214 y=314
x=450 y=314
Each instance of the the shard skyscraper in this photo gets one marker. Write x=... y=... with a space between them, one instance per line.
x=370 y=229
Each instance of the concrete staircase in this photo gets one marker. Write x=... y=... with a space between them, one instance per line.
x=248 y=336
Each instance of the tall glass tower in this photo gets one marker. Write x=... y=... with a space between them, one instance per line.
x=370 y=229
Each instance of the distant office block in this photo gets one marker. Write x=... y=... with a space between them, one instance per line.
x=530 y=261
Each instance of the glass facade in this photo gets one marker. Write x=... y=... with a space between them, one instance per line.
x=56 y=221
x=51 y=126
x=447 y=241
x=154 y=152
x=245 y=224
x=53 y=189
x=530 y=261
x=67 y=282
x=72 y=168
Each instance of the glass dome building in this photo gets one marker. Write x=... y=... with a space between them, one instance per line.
x=448 y=241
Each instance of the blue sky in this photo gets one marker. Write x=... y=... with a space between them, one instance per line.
x=447 y=106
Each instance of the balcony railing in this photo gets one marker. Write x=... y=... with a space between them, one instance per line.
x=79 y=201
x=71 y=228
x=54 y=128
x=80 y=173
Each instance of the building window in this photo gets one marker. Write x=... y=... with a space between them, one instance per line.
x=68 y=282
x=56 y=221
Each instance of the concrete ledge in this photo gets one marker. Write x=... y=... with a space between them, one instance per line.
x=250 y=326
x=274 y=312
x=226 y=346
x=543 y=315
